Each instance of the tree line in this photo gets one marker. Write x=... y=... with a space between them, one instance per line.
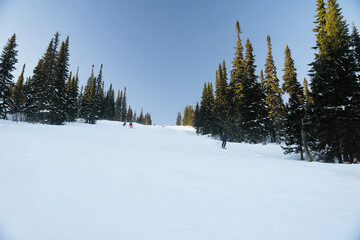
x=51 y=95
x=321 y=119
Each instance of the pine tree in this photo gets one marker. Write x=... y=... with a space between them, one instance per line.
x=188 y=116
x=89 y=110
x=19 y=98
x=252 y=105
x=206 y=108
x=141 y=119
x=7 y=65
x=197 y=118
x=355 y=45
x=109 y=104
x=123 y=106
x=178 y=119
x=43 y=88
x=61 y=75
x=147 y=119
x=220 y=112
x=235 y=89
x=129 y=115
x=99 y=95
x=334 y=90
x=274 y=101
x=294 y=109
x=118 y=107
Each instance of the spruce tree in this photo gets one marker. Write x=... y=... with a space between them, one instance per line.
x=206 y=109
x=220 y=112
x=294 y=109
x=118 y=107
x=235 y=89
x=61 y=75
x=252 y=105
x=274 y=101
x=197 y=118
x=188 y=116
x=7 y=65
x=129 y=114
x=178 y=119
x=99 y=95
x=109 y=104
x=334 y=90
x=355 y=46
x=19 y=97
x=89 y=110
x=123 y=106
x=147 y=119
x=141 y=118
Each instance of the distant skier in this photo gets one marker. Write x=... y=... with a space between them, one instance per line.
x=124 y=124
x=131 y=125
x=224 y=138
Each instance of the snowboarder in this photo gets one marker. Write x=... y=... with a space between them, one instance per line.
x=224 y=138
x=131 y=125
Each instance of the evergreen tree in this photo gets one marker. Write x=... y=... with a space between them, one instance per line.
x=334 y=90
x=235 y=89
x=72 y=89
x=99 y=95
x=118 y=107
x=178 y=119
x=355 y=45
x=220 y=111
x=129 y=115
x=61 y=75
x=7 y=65
x=274 y=101
x=19 y=97
x=43 y=88
x=252 y=105
x=109 y=104
x=188 y=116
x=294 y=109
x=206 y=108
x=123 y=106
x=141 y=119
x=147 y=119
x=197 y=118
x=89 y=110
x=306 y=92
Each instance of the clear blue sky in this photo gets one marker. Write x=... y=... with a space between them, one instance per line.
x=162 y=50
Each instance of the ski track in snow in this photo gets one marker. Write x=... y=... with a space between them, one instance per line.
x=110 y=182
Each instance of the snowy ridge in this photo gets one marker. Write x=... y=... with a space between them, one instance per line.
x=110 y=182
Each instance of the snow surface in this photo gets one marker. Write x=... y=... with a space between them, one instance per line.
x=109 y=182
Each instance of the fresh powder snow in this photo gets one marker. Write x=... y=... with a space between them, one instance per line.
x=110 y=182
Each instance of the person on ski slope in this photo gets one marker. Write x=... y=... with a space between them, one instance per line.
x=224 y=138
x=131 y=125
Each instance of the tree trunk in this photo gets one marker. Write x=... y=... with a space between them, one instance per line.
x=307 y=152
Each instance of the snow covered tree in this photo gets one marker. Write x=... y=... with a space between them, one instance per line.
x=7 y=65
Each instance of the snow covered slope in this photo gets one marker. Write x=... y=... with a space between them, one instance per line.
x=109 y=182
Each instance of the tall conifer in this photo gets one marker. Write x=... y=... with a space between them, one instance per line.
x=274 y=101
x=7 y=65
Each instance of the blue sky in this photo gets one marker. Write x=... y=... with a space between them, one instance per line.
x=162 y=50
